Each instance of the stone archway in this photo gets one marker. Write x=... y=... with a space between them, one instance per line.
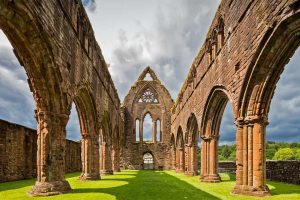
x=173 y=152
x=255 y=101
x=86 y=109
x=209 y=134
x=191 y=146
x=148 y=161
x=32 y=48
x=180 y=151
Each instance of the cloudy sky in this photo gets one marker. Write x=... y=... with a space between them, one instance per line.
x=164 y=34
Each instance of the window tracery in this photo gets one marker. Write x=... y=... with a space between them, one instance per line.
x=148 y=97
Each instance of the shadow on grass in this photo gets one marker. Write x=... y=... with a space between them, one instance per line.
x=277 y=188
x=12 y=185
x=148 y=185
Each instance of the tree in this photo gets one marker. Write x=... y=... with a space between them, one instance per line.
x=232 y=156
x=226 y=152
x=297 y=154
x=270 y=153
x=284 y=154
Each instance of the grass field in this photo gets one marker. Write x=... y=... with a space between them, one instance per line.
x=147 y=185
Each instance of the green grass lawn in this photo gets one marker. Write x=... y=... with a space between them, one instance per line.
x=146 y=185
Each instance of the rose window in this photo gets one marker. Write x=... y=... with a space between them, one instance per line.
x=148 y=97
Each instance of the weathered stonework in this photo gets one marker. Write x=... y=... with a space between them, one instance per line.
x=283 y=171
x=147 y=96
x=55 y=43
x=18 y=159
x=246 y=49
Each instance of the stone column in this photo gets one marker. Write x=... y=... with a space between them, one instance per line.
x=192 y=160
x=154 y=131
x=203 y=158
x=141 y=124
x=51 y=143
x=177 y=159
x=90 y=157
x=106 y=160
x=209 y=157
x=115 y=159
x=181 y=159
x=251 y=157
x=173 y=158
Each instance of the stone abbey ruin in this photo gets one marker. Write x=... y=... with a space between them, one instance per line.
x=247 y=46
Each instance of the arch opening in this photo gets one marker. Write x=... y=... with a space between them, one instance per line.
x=148 y=161
x=147 y=128
x=137 y=130
x=255 y=102
x=191 y=147
x=210 y=134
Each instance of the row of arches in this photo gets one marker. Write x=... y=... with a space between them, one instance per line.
x=250 y=109
x=148 y=129
x=54 y=84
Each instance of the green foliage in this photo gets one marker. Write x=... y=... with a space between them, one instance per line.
x=228 y=152
x=297 y=154
x=284 y=154
x=271 y=153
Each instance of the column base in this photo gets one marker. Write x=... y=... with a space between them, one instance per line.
x=106 y=172
x=211 y=178
x=179 y=170
x=90 y=177
x=50 y=188
x=251 y=191
x=190 y=173
x=117 y=170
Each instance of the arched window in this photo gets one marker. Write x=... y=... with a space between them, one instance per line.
x=147 y=128
x=158 y=131
x=148 y=161
x=137 y=130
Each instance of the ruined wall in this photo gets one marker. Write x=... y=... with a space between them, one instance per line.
x=18 y=153
x=147 y=96
x=283 y=171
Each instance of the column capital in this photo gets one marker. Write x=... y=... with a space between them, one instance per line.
x=205 y=137
x=261 y=119
x=239 y=122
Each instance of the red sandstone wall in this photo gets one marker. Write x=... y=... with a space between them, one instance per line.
x=18 y=149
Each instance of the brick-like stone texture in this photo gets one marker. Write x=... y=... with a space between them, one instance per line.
x=147 y=96
x=246 y=49
x=283 y=171
x=18 y=153
x=55 y=43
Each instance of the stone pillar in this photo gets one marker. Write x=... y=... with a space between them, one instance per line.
x=106 y=167
x=177 y=159
x=116 y=158
x=203 y=159
x=141 y=124
x=154 y=131
x=181 y=159
x=90 y=157
x=251 y=157
x=173 y=158
x=51 y=143
x=192 y=160
x=209 y=173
